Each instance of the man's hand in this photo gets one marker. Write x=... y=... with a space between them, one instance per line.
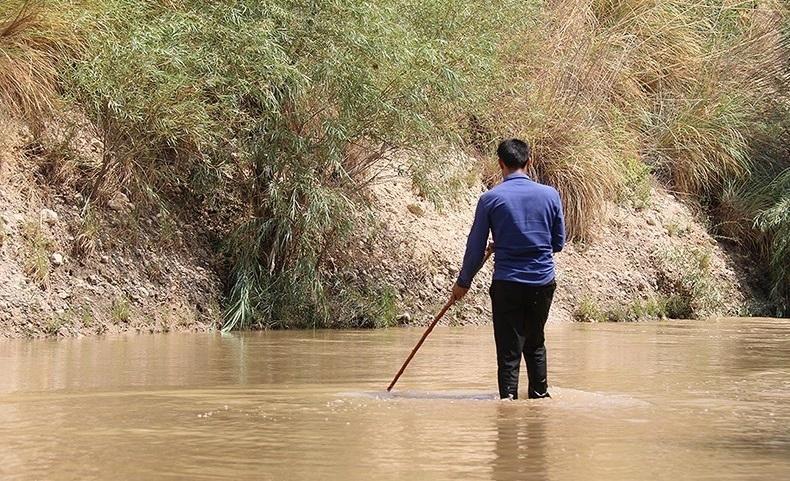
x=490 y=248
x=458 y=292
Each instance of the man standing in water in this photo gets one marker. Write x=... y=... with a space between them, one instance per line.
x=526 y=221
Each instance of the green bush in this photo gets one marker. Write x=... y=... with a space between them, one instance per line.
x=689 y=287
x=590 y=310
x=272 y=115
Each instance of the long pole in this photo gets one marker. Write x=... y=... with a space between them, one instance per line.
x=433 y=323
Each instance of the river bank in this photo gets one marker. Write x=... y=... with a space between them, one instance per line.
x=134 y=271
x=180 y=166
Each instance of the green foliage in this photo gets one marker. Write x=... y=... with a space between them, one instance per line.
x=755 y=213
x=590 y=310
x=280 y=109
x=121 y=310
x=774 y=222
x=688 y=284
x=637 y=184
x=268 y=119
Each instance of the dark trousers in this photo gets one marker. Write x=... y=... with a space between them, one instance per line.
x=520 y=313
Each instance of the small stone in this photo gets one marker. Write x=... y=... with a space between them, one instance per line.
x=404 y=318
x=415 y=209
x=119 y=202
x=57 y=259
x=48 y=216
x=651 y=221
x=104 y=259
x=64 y=295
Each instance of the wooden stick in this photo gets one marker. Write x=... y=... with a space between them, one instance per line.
x=433 y=323
x=422 y=339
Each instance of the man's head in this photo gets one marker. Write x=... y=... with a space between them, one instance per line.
x=513 y=154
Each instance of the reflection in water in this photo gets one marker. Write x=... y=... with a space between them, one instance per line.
x=672 y=400
x=520 y=448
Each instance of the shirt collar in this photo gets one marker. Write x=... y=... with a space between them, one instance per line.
x=516 y=175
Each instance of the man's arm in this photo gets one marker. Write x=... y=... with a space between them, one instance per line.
x=475 y=246
x=558 y=227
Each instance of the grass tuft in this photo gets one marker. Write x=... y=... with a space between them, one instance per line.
x=687 y=281
x=38 y=248
x=121 y=310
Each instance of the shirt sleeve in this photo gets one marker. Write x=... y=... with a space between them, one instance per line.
x=558 y=227
x=475 y=245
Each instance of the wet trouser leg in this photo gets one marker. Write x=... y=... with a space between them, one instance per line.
x=520 y=313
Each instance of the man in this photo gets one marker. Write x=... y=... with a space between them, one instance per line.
x=526 y=221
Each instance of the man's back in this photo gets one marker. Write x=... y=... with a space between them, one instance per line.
x=525 y=219
x=526 y=223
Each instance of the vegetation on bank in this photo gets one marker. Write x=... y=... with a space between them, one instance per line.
x=687 y=289
x=267 y=120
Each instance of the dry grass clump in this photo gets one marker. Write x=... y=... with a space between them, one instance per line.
x=33 y=41
x=36 y=253
x=558 y=98
x=683 y=86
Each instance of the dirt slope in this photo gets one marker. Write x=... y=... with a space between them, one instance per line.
x=132 y=280
x=624 y=263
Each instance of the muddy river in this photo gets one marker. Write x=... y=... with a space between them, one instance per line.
x=669 y=400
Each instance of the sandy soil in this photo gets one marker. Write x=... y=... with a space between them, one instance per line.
x=620 y=265
x=146 y=279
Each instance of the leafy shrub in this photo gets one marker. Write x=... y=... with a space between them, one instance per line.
x=273 y=116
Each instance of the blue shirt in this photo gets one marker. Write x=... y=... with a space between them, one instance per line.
x=525 y=219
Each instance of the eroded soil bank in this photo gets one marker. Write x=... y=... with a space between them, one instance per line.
x=66 y=273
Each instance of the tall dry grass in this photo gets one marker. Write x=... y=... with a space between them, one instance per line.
x=33 y=42
x=684 y=86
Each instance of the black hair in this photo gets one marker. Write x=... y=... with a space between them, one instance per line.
x=514 y=153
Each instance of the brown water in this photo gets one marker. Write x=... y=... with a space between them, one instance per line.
x=672 y=400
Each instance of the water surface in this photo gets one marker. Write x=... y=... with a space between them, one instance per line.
x=670 y=400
